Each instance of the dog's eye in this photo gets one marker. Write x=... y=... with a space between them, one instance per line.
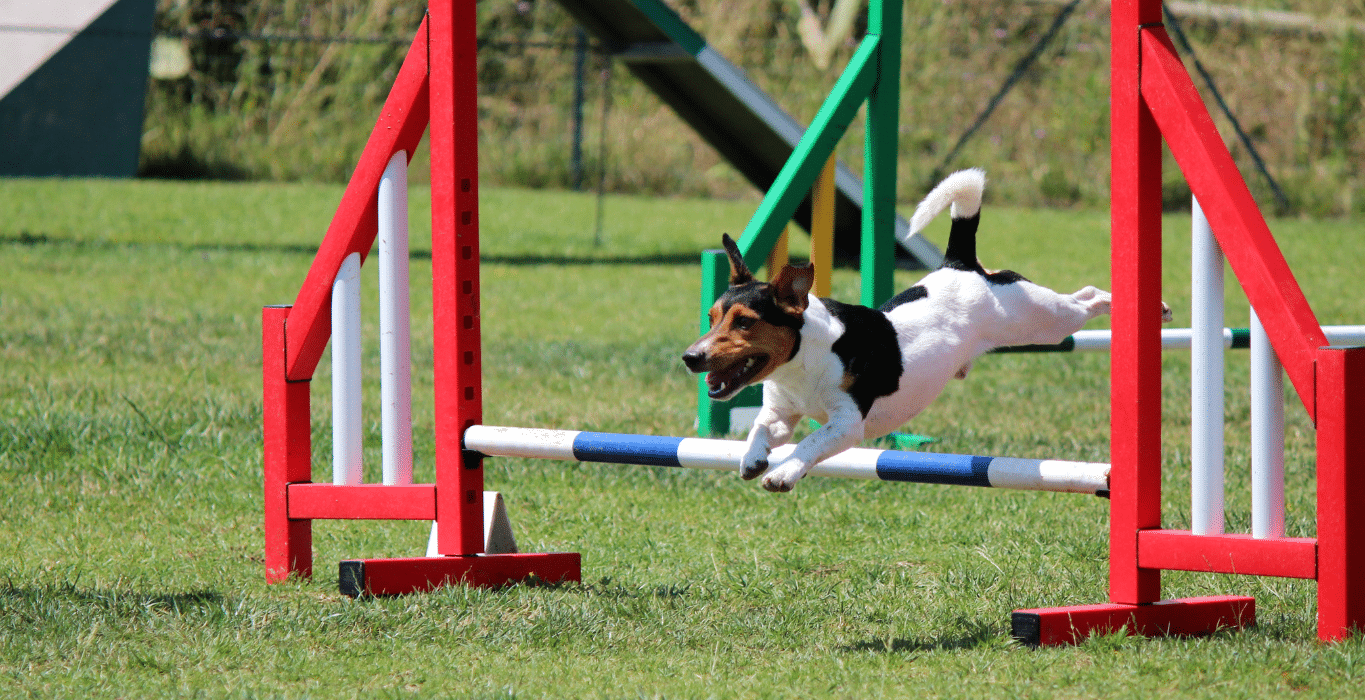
x=744 y=323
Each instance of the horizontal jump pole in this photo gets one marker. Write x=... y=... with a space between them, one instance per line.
x=1179 y=339
x=856 y=463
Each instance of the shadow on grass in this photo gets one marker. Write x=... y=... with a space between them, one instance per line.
x=968 y=635
x=27 y=238
x=14 y=598
x=187 y=165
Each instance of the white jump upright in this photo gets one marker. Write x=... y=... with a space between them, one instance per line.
x=347 y=442
x=1206 y=378
x=395 y=361
x=1267 y=436
x=395 y=342
x=395 y=325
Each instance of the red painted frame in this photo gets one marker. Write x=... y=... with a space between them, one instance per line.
x=1185 y=617
x=1153 y=97
x=436 y=85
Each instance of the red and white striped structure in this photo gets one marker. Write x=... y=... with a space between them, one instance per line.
x=1152 y=98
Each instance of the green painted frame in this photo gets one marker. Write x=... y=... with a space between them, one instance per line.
x=863 y=81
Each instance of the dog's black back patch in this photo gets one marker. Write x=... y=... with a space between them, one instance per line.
x=914 y=293
x=869 y=351
x=961 y=252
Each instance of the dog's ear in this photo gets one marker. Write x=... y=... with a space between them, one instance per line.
x=792 y=287
x=739 y=272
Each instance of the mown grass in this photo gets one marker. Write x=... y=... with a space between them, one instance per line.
x=130 y=459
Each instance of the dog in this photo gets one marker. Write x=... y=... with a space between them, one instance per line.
x=863 y=372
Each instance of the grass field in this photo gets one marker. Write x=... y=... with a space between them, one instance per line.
x=130 y=532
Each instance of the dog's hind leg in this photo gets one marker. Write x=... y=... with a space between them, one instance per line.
x=1033 y=314
x=1098 y=303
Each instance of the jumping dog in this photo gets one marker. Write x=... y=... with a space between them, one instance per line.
x=864 y=372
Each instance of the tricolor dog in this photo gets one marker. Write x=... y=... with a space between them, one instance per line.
x=864 y=372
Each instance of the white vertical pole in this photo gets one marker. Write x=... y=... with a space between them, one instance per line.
x=395 y=337
x=1206 y=378
x=346 y=425
x=1267 y=436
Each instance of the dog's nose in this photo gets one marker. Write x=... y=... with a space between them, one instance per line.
x=695 y=361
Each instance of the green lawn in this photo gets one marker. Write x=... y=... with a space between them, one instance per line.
x=131 y=562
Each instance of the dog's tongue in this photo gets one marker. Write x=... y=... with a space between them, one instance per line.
x=724 y=381
x=718 y=382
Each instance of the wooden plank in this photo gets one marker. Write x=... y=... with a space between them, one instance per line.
x=1179 y=617
x=417 y=574
x=1135 y=356
x=362 y=502
x=881 y=154
x=457 y=362
x=287 y=453
x=1289 y=557
x=1341 y=483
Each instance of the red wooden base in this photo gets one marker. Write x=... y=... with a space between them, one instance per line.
x=417 y=574
x=1182 y=617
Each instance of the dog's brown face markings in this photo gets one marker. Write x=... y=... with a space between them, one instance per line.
x=740 y=349
x=755 y=327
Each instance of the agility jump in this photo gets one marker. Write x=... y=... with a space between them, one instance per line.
x=437 y=84
x=857 y=463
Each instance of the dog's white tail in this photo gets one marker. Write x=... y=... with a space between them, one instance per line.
x=962 y=190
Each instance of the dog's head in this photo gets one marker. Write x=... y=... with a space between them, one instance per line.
x=755 y=326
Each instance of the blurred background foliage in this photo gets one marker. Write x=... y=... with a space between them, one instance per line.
x=289 y=91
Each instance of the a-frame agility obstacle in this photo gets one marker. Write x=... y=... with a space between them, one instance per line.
x=1152 y=97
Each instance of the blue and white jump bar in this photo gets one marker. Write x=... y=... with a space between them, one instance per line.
x=857 y=463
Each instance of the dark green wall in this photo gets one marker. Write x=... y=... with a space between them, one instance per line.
x=80 y=114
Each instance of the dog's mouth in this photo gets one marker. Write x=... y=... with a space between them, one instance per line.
x=725 y=383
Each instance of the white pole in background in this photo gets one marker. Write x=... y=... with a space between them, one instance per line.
x=346 y=425
x=1267 y=436
x=395 y=336
x=1206 y=378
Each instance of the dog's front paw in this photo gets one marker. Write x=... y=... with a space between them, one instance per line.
x=752 y=470
x=784 y=477
x=1166 y=315
x=754 y=462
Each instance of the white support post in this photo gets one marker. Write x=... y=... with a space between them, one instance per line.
x=1267 y=436
x=395 y=335
x=1206 y=378
x=347 y=440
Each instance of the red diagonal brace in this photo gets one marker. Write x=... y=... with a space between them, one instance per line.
x=356 y=223
x=1232 y=213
